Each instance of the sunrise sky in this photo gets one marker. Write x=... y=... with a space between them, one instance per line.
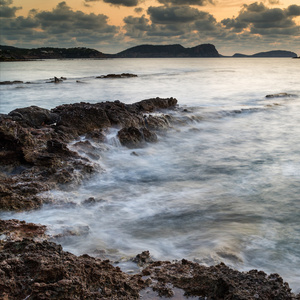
x=111 y=26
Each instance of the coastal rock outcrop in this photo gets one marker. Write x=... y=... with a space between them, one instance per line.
x=34 y=150
x=42 y=270
x=33 y=116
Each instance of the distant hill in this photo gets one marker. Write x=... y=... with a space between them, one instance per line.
x=274 y=53
x=8 y=53
x=204 y=50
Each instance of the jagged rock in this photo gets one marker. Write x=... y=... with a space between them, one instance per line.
x=34 y=150
x=15 y=230
x=130 y=137
x=157 y=122
x=133 y=137
x=215 y=282
x=150 y=105
x=33 y=116
x=143 y=259
x=81 y=118
x=42 y=270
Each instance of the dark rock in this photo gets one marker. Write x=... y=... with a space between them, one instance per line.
x=34 y=141
x=10 y=82
x=15 y=230
x=143 y=259
x=215 y=282
x=42 y=270
x=91 y=201
x=123 y=75
x=82 y=117
x=280 y=95
x=157 y=122
x=131 y=137
x=96 y=135
x=148 y=135
x=33 y=116
x=153 y=104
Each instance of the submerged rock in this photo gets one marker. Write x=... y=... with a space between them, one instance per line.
x=123 y=75
x=280 y=95
x=10 y=82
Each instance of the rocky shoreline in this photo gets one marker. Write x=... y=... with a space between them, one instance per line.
x=44 y=149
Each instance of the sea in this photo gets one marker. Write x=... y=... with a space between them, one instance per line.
x=222 y=185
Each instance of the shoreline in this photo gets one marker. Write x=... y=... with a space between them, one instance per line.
x=34 y=147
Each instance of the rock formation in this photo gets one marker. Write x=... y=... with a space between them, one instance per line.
x=34 y=141
x=36 y=156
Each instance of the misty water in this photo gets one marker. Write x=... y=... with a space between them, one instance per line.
x=221 y=185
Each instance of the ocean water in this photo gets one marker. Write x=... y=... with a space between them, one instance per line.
x=223 y=185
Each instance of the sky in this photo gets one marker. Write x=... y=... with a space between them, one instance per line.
x=110 y=26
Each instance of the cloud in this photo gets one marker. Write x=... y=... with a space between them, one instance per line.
x=128 y=3
x=179 y=23
x=6 y=11
x=293 y=10
x=138 y=10
x=274 y=2
x=174 y=14
x=185 y=2
x=259 y=19
x=122 y=2
x=61 y=27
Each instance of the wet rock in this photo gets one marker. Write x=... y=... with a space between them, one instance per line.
x=57 y=80
x=148 y=135
x=42 y=270
x=81 y=118
x=216 y=282
x=280 y=95
x=33 y=116
x=123 y=75
x=143 y=259
x=35 y=141
x=96 y=135
x=133 y=137
x=150 y=105
x=130 y=137
x=92 y=201
x=15 y=230
x=10 y=82
x=157 y=122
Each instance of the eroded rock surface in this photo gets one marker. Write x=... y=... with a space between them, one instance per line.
x=35 y=154
x=42 y=270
